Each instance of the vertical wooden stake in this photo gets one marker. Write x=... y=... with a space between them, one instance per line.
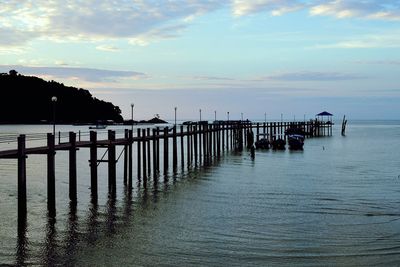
x=93 y=165
x=148 y=152
x=144 y=157
x=174 y=150
x=130 y=159
x=166 y=150
x=126 y=137
x=72 y=167
x=139 y=156
x=154 y=153
x=51 y=183
x=111 y=163
x=21 y=179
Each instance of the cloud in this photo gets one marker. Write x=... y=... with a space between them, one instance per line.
x=368 y=9
x=384 y=40
x=85 y=74
x=212 y=78
x=378 y=62
x=276 y=7
x=95 y=20
x=312 y=76
x=107 y=48
x=163 y=33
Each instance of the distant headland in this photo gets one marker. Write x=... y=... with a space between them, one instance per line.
x=27 y=99
x=32 y=100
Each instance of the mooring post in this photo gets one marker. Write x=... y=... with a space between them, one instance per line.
x=93 y=165
x=200 y=135
x=182 y=148
x=148 y=151
x=218 y=140
x=21 y=179
x=51 y=183
x=166 y=150
x=111 y=162
x=144 y=157
x=130 y=159
x=191 y=143
x=126 y=137
x=154 y=153
x=188 y=144
x=174 y=150
x=139 y=156
x=72 y=167
x=158 y=149
x=195 y=144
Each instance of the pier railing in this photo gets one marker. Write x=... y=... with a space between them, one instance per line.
x=197 y=144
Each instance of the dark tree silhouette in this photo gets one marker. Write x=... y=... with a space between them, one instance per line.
x=26 y=99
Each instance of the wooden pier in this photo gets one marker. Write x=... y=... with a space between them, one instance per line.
x=197 y=144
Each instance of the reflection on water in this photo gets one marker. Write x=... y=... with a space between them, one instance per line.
x=335 y=203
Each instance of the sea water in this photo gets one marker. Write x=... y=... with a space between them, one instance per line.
x=334 y=203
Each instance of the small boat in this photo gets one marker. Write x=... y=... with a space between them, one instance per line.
x=278 y=144
x=263 y=143
x=98 y=126
x=296 y=141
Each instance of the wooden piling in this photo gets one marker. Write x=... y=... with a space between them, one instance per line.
x=111 y=162
x=93 y=165
x=174 y=150
x=195 y=144
x=126 y=136
x=139 y=156
x=182 y=148
x=166 y=160
x=144 y=156
x=148 y=152
x=154 y=153
x=21 y=178
x=130 y=159
x=72 y=167
x=51 y=184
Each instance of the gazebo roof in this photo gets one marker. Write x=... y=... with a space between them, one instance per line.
x=325 y=113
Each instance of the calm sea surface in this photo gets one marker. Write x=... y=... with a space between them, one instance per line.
x=335 y=203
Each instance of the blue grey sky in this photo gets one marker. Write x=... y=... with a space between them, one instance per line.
x=295 y=58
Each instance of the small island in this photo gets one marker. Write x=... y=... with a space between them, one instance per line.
x=28 y=100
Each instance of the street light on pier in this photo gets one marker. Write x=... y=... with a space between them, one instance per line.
x=228 y=115
x=241 y=115
x=265 y=117
x=175 y=108
x=215 y=115
x=54 y=100
x=200 y=113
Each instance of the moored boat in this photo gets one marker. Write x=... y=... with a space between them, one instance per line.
x=296 y=141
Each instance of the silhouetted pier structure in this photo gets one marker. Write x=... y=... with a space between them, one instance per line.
x=197 y=144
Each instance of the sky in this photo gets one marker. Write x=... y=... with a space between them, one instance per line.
x=260 y=58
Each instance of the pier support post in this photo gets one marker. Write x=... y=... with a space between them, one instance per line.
x=93 y=165
x=166 y=150
x=195 y=145
x=148 y=152
x=51 y=184
x=126 y=137
x=21 y=179
x=174 y=150
x=130 y=159
x=144 y=158
x=72 y=167
x=111 y=163
x=139 y=156
x=154 y=154
x=182 y=148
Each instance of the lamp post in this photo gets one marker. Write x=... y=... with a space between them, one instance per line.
x=228 y=115
x=215 y=115
x=132 y=105
x=200 y=113
x=175 y=108
x=281 y=117
x=241 y=116
x=265 y=117
x=54 y=100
